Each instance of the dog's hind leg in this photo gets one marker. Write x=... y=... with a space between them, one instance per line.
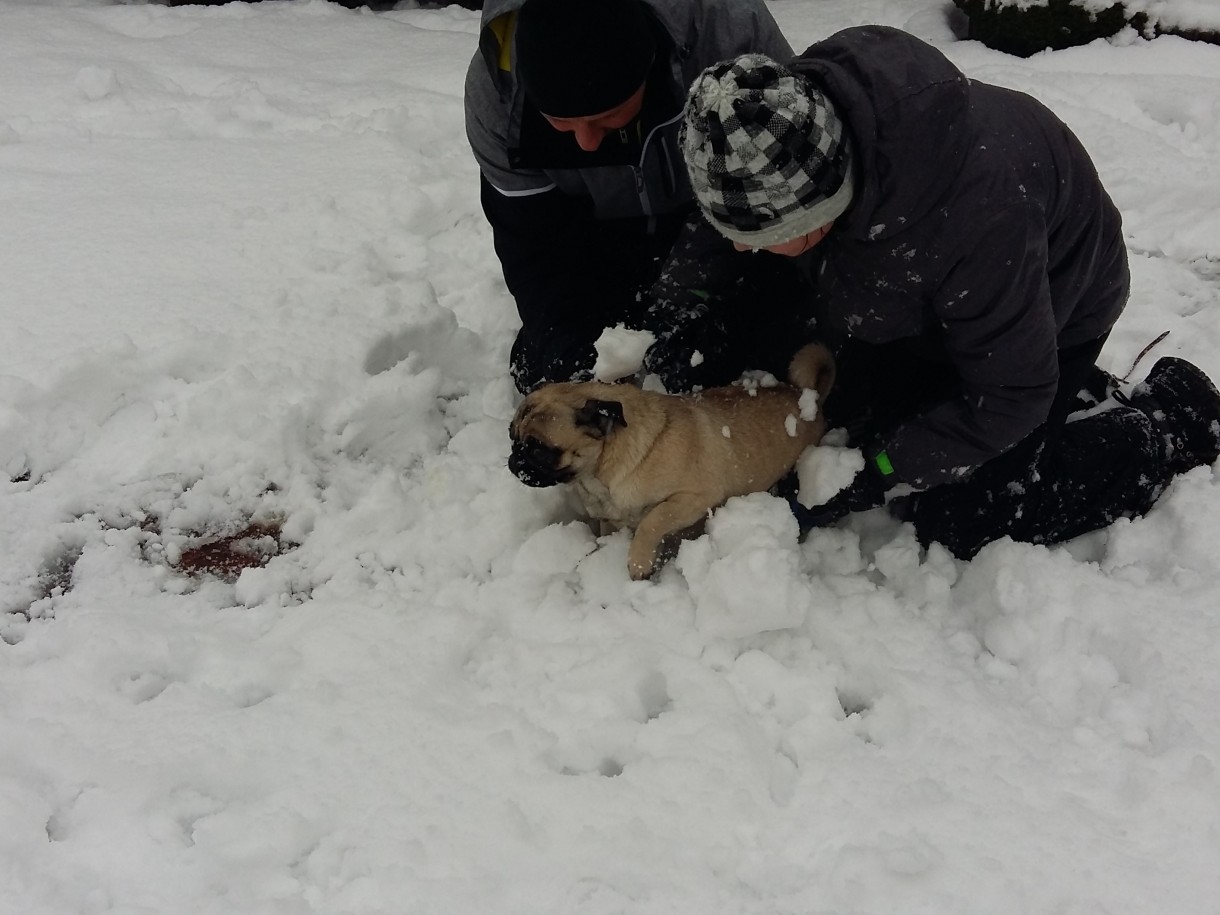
x=676 y=514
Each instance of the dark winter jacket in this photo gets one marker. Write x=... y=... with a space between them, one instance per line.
x=979 y=231
x=577 y=233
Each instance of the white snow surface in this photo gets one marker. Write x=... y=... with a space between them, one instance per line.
x=245 y=277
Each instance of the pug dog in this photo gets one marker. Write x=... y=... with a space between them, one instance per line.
x=659 y=463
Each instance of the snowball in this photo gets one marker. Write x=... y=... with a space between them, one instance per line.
x=620 y=352
x=808 y=404
x=823 y=470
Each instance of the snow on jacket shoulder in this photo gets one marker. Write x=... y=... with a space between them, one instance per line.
x=979 y=229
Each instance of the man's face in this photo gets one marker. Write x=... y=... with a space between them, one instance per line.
x=591 y=130
x=798 y=245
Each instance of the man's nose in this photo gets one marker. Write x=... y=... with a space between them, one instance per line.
x=589 y=138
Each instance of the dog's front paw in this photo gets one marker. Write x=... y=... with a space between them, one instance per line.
x=646 y=555
x=641 y=563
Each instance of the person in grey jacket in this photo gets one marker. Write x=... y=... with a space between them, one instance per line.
x=966 y=261
x=572 y=112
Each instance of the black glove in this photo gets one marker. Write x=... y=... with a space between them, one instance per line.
x=537 y=360
x=866 y=491
x=690 y=356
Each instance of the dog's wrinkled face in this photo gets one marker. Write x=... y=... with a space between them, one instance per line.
x=558 y=434
x=536 y=463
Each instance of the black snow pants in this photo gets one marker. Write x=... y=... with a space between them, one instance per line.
x=1064 y=479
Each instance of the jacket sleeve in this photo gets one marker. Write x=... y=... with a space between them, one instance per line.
x=717 y=312
x=1000 y=333
x=552 y=249
x=697 y=276
x=689 y=311
x=556 y=263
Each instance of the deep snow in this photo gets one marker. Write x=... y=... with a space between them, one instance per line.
x=245 y=277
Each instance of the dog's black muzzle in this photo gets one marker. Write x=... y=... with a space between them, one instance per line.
x=537 y=464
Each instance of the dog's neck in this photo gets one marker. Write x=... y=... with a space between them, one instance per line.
x=626 y=452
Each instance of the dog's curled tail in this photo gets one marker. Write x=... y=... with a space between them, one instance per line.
x=813 y=367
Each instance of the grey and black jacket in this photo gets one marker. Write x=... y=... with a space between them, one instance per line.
x=980 y=228
x=980 y=232
x=578 y=233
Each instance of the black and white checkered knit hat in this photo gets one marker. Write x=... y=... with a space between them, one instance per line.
x=768 y=156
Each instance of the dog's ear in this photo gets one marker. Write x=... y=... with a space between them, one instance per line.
x=600 y=417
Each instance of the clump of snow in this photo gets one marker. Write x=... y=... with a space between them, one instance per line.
x=750 y=546
x=620 y=352
x=825 y=469
x=808 y=404
x=754 y=379
x=1181 y=15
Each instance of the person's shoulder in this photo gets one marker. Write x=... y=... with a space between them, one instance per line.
x=484 y=98
x=736 y=6
x=713 y=30
x=875 y=43
x=479 y=83
x=490 y=70
x=680 y=17
x=891 y=67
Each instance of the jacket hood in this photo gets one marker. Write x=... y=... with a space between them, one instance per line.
x=908 y=111
x=494 y=9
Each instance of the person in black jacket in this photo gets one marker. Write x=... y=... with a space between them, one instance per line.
x=572 y=112
x=967 y=264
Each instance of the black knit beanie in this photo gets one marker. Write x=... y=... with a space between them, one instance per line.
x=577 y=58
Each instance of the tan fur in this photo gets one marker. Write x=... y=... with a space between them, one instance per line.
x=677 y=457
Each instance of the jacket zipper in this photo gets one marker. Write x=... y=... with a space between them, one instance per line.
x=638 y=170
x=641 y=191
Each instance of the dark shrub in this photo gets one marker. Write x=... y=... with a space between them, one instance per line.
x=1057 y=24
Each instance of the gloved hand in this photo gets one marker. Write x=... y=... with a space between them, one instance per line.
x=539 y=359
x=866 y=491
x=690 y=356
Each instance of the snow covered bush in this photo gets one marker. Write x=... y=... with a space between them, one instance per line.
x=1025 y=27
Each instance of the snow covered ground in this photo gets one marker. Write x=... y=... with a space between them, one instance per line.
x=244 y=278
